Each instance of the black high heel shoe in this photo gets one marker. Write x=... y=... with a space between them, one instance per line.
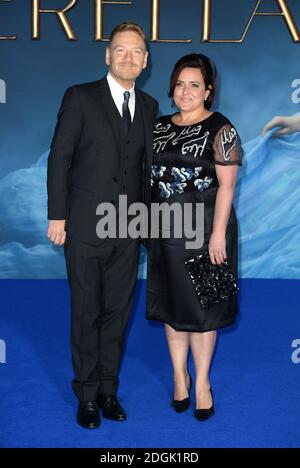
x=182 y=405
x=204 y=414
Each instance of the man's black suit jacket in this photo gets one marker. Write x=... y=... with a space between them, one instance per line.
x=84 y=159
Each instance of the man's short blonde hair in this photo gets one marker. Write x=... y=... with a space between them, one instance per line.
x=129 y=26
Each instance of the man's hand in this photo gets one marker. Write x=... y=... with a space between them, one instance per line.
x=56 y=231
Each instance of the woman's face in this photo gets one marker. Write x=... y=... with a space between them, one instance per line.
x=190 y=93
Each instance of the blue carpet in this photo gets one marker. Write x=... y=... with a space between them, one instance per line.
x=256 y=384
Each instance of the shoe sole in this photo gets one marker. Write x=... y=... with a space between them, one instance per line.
x=92 y=426
x=113 y=419
x=204 y=418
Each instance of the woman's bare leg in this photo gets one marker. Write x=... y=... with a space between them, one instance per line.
x=179 y=343
x=202 y=346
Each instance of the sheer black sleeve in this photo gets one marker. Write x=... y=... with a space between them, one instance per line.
x=227 y=146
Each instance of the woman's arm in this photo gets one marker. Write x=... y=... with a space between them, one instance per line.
x=227 y=156
x=288 y=125
x=217 y=244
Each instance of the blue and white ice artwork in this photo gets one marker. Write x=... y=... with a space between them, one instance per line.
x=267 y=201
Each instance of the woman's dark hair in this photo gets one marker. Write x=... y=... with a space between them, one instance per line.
x=208 y=70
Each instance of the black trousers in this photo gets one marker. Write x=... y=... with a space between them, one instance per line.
x=102 y=283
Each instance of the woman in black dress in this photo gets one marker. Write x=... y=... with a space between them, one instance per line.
x=196 y=154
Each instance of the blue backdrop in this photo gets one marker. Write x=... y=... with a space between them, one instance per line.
x=260 y=355
x=256 y=82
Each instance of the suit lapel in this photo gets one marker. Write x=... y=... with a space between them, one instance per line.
x=147 y=114
x=110 y=109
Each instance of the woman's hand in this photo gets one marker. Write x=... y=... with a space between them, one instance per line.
x=287 y=125
x=217 y=248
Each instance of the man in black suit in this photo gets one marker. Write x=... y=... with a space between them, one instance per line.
x=102 y=148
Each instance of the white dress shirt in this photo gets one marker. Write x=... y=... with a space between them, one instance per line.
x=117 y=92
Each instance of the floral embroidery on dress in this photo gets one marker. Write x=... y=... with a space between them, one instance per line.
x=180 y=177
x=203 y=184
x=183 y=174
x=167 y=189
x=157 y=172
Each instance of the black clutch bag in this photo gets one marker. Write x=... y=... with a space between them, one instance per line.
x=213 y=283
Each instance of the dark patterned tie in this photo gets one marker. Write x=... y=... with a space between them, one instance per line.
x=126 y=112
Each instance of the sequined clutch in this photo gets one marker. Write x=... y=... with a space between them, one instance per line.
x=212 y=283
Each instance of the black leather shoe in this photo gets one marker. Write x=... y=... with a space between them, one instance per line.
x=111 y=408
x=88 y=415
x=203 y=414
x=182 y=405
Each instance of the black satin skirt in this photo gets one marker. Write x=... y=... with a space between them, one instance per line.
x=171 y=297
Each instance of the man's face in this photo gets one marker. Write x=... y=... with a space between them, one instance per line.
x=126 y=57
